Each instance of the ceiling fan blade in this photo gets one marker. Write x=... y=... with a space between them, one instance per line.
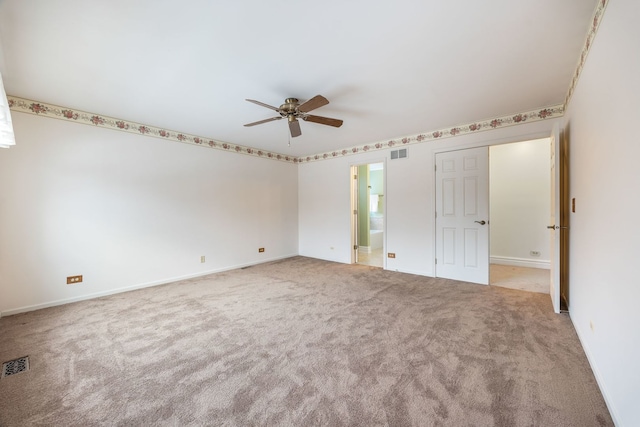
x=294 y=127
x=264 y=121
x=271 y=107
x=323 y=120
x=315 y=102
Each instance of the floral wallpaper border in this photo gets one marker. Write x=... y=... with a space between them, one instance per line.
x=595 y=24
x=69 y=114
x=479 y=126
x=54 y=111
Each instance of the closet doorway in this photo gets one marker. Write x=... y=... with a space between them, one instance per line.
x=508 y=244
x=520 y=194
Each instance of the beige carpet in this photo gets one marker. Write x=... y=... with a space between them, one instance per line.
x=301 y=342
x=522 y=278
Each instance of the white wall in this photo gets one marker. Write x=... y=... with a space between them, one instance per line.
x=125 y=210
x=520 y=179
x=602 y=123
x=324 y=203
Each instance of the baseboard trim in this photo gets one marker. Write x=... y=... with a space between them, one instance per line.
x=520 y=262
x=596 y=372
x=133 y=287
x=415 y=272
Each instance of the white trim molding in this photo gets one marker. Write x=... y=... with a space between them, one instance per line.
x=520 y=262
x=128 y=288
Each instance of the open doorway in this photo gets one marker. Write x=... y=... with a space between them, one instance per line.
x=368 y=214
x=519 y=196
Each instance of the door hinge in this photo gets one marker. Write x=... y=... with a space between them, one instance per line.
x=355 y=247
x=435 y=168
x=436 y=260
x=355 y=176
x=436 y=214
x=355 y=211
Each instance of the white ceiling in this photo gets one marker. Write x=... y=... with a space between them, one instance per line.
x=389 y=69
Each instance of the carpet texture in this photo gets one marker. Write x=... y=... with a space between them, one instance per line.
x=301 y=342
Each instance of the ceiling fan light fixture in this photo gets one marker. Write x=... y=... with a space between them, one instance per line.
x=294 y=126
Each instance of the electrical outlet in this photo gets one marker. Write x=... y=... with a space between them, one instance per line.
x=72 y=280
x=202 y=258
x=260 y=250
x=535 y=253
x=391 y=254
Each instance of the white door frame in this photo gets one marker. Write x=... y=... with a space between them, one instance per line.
x=353 y=168
x=555 y=223
x=353 y=192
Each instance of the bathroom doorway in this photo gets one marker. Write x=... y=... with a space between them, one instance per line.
x=368 y=214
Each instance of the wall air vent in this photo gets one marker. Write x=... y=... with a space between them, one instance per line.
x=399 y=154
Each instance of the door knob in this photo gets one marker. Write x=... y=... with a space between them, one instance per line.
x=483 y=222
x=556 y=227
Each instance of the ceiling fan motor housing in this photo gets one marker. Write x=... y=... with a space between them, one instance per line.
x=289 y=108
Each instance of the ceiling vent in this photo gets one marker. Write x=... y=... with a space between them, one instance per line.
x=399 y=154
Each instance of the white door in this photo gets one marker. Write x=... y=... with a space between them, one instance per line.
x=354 y=214
x=554 y=228
x=462 y=215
